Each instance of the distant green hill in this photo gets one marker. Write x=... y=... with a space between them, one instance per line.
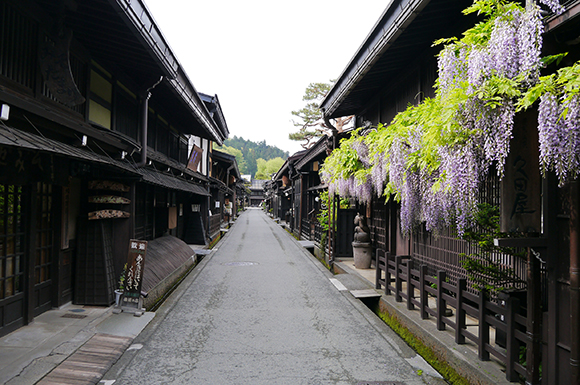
x=248 y=152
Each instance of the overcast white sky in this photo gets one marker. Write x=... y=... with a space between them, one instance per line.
x=259 y=56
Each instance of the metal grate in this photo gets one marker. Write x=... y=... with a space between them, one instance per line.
x=239 y=263
x=76 y=316
x=379 y=383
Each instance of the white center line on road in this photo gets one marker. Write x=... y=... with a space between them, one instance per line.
x=337 y=284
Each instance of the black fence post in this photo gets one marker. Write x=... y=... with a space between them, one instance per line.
x=378 y=274
x=410 y=287
x=398 y=283
x=441 y=303
x=483 y=338
x=387 y=274
x=424 y=294
x=512 y=345
x=460 y=323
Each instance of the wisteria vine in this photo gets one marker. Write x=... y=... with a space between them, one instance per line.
x=433 y=156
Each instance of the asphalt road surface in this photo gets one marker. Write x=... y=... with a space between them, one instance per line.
x=261 y=310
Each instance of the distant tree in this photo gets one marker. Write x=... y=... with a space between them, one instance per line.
x=252 y=151
x=242 y=164
x=268 y=167
x=311 y=123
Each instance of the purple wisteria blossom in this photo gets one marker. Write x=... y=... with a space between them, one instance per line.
x=559 y=136
x=504 y=55
x=554 y=6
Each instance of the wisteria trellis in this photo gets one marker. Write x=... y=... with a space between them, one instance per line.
x=433 y=156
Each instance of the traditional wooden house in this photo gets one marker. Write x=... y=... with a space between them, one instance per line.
x=396 y=66
x=294 y=195
x=256 y=196
x=224 y=189
x=97 y=114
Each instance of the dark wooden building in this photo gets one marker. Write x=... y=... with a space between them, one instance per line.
x=396 y=66
x=93 y=151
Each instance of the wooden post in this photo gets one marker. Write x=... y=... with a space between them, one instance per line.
x=387 y=274
x=441 y=303
x=483 y=338
x=398 y=283
x=512 y=345
x=460 y=323
x=378 y=268
x=410 y=288
x=534 y=320
x=424 y=297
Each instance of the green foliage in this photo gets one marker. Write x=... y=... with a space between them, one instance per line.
x=122 y=278
x=252 y=151
x=242 y=164
x=310 y=116
x=484 y=267
x=564 y=83
x=444 y=121
x=344 y=160
x=323 y=216
x=268 y=167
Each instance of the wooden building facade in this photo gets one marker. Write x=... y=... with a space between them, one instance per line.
x=396 y=66
x=94 y=150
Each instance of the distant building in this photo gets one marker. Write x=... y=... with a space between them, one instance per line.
x=257 y=192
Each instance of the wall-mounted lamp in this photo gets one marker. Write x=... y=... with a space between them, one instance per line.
x=84 y=140
x=317 y=199
x=123 y=154
x=5 y=112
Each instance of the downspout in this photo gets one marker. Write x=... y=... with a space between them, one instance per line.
x=145 y=123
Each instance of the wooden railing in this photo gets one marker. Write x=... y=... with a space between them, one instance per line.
x=397 y=275
x=214 y=225
x=305 y=229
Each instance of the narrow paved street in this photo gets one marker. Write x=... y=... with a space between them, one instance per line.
x=262 y=311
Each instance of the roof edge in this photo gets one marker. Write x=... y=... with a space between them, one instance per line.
x=394 y=20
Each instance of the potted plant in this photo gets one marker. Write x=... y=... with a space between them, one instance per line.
x=119 y=291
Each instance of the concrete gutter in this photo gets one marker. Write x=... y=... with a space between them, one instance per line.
x=462 y=358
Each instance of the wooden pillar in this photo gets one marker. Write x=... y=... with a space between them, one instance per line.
x=441 y=303
x=574 y=284
x=534 y=319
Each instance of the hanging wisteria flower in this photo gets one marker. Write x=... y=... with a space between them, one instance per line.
x=530 y=45
x=559 y=136
x=451 y=67
x=504 y=56
x=433 y=156
x=379 y=174
x=554 y=6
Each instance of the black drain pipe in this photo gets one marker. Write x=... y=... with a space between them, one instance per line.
x=145 y=123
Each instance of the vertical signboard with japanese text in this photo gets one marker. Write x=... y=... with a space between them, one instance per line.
x=521 y=185
x=134 y=272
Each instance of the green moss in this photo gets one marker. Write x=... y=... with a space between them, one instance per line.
x=324 y=263
x=162 y=299
x=423 y=350
x=214 y=241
